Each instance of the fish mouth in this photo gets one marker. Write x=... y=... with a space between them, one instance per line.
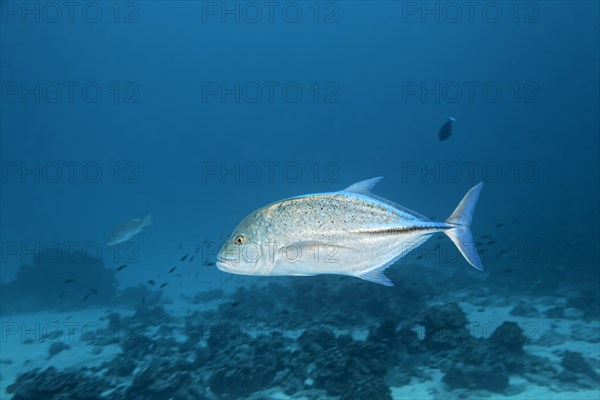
x=223 y=266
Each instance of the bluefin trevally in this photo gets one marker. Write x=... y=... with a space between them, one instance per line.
x=129 y=229
x=350 y=232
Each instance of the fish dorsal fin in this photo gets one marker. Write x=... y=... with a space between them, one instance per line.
x=364 y=187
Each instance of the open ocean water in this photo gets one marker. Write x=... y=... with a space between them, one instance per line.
x=136 y=135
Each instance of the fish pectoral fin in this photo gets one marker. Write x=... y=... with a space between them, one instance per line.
x=376 y=276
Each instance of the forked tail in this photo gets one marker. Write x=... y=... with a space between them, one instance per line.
x=460 y=233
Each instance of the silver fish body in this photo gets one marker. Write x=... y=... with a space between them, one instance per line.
x=129 y=229
x=350 y=232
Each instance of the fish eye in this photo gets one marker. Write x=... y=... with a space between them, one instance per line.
x=240 y=239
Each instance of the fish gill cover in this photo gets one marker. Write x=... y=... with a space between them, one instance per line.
x=187 y=200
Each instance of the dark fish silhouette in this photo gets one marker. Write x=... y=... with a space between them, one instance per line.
x=446 y=129
x=121 y=267
x=69 y=280
x=86 y=297
x=192 y=259
x=172 y=270
x=94 y=291
x=179 y=247
x=486 y=237
x=184 y=257
x=235 y=304
x=499 y=224
x=163 y=285
x=209 y=263
x=151 y=282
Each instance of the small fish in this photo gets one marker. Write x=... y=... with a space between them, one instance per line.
x=506 y=271
x=179 y=247
x=69 y=280
x=197 y=249
x=285 y=312
x=446 y=129
x=121 y=267
x=235 y=304
x=86 y=297
x=192 y=259
x=163 y=285
x=361 y=233
x=172 y=270
x=419 y=257
x=151 y=282
x=209 y=263
x=499 y=224
x=184 y=257
x=129 y=229
x=490 y=242
x=486 y=237
x=94 y=291
x=178 y=275
x=61 y=295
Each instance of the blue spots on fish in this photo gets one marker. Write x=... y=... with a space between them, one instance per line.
x=446 y=130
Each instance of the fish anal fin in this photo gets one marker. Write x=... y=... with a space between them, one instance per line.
x=376 y=276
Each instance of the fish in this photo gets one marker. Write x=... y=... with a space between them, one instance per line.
x=184 y=257
x=209 y=264
x=163 y=285
x=351 y=232
x=499 y=224
x=129 y=229
x=446 y=129
x=69 y=280
x=192 y=259
x=94 y=291
x=121 y=267
x=172 y=270
x=86 y=297
x=151 y=282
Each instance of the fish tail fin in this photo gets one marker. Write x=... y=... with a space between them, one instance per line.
x=460 y=233
x=148 y=220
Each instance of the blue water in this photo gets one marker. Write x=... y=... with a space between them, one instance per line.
x=202 y=112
